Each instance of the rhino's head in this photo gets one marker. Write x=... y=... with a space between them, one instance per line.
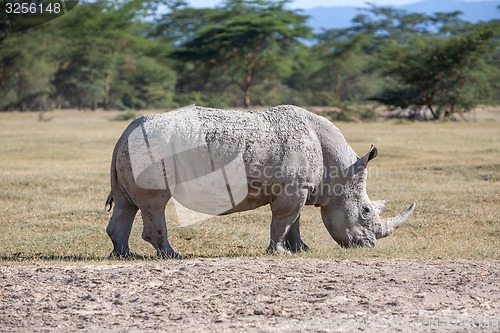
x=351 y=218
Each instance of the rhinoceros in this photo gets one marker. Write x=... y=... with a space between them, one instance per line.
x=218 y=162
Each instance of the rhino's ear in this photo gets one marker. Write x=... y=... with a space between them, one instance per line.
x=363 y=161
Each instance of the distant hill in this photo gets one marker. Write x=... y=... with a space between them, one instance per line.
x=337 y=17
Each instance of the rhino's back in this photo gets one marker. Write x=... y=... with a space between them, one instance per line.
x=283 y=122
x=265 y=134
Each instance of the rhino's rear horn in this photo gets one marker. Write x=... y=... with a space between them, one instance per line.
x=387 y=226
x=378 y=205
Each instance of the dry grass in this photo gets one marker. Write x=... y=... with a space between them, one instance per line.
x=54 y=181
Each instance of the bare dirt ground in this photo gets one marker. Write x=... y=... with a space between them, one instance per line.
x=252 y=295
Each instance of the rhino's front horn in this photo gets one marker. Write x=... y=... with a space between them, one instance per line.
x=387 y=226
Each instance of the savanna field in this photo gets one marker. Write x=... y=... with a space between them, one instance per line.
x=54 y=180
x=438 y=272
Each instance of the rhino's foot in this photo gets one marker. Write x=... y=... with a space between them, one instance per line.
x=274 y=248
x=297 y=247
x=120 y=254
x=164 y=254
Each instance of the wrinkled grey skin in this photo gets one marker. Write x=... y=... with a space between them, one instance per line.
x=321 y=170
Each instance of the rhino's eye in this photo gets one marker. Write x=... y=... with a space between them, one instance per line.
x=365 y=211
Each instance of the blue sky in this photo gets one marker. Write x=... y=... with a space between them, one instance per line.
x=316 y=3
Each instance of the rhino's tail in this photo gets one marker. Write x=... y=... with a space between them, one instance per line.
x=113 y=178
x=109 y=202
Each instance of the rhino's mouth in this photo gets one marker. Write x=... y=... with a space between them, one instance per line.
x=364 y=239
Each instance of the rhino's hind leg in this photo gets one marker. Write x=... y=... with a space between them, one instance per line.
x=119 y=228
x=155 y=231
x=293 y=242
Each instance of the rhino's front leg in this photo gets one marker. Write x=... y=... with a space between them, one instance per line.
x=155 y=231
x=279 y=228
x=119 y=228
x=293 y=242
x=285 y=211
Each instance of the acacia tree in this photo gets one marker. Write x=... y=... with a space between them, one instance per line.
x=444 y=75
x=116 y=67
x=26 y=67
x=348 y=56
x=410 y=61
x=343 y=64
x=246 y=39
x=93 y=51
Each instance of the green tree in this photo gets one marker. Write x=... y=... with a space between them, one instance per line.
x=348 y=57
x=444 y=75
x=343 y=65
x=5 y=28
x=388 y=23
x=180 y=23
x=249 y=39
x=26 y=68
x=143 y=82
x=116 y=67
x=134 y=54
x=94 y=35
